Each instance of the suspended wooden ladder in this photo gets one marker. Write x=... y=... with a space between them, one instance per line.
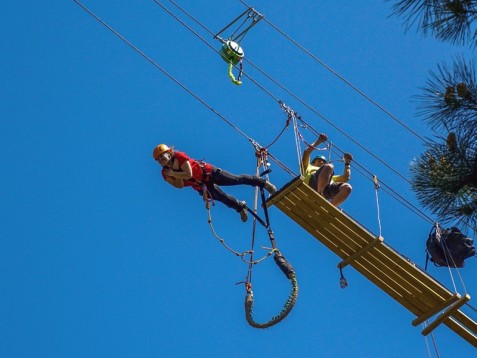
x=395 y=274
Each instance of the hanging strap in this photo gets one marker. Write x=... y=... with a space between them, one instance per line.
x=343 y=280
x=231 y=75
x=437 y=231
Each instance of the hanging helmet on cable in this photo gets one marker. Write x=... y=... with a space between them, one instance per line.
x=322 y=157
x=160 y=149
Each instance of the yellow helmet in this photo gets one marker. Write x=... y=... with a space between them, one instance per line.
x=161 y=148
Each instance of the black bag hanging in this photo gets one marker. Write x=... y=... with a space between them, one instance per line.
x=449 y=247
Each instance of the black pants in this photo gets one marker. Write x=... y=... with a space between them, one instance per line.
x=221 y=177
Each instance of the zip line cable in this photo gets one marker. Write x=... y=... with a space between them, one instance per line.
x=355 y=88
x=276 y=83
x=210 y=46
x=155 y=64
x=387 y=188
x=342 y=78
x=250 y=139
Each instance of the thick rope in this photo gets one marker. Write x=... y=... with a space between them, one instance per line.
x=279 y=259
x=289 y=304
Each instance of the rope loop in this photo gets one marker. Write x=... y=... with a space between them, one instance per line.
x=289 y=304
x=236 y=253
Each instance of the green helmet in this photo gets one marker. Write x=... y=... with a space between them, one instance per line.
x=320 y=157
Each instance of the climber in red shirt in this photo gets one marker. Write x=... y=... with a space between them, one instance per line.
x=179 y=170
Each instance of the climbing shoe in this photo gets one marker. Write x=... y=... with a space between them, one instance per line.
x=243 y=213
x=272 y=189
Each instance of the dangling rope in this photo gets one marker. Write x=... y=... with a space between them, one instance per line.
x=207 y=199
x=254 y=228
x=449 y=257
x=237 y=81
x=424 y=325
x=279 y=259
x=376 y=188
x=438 y=233
x=287 y=124
x=292 y=115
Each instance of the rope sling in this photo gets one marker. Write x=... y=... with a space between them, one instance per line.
x=279 y=259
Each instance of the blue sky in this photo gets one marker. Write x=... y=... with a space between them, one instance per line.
x=101 y=258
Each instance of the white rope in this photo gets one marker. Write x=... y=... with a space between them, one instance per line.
x=376 y=188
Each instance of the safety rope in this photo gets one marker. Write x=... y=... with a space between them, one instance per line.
x=287 y=124
x=376 y=189
x=254 y=230
x=447 y=255
x=434 y=343
x=292 y=116
x=451 y=263
x=241 y=255
x=289 y=304
x=285 y=267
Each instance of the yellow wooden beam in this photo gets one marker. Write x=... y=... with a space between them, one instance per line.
x=361 y=252
x=424 y=317
x=395 y=274
x=446 y=314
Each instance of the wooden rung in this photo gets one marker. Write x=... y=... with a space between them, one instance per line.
x=388 y=269
x=466 y=321
x=462 y=330
x=425 y=316
x=360 y=252
x=443 y=316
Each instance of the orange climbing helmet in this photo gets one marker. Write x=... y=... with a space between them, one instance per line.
x=161 y=148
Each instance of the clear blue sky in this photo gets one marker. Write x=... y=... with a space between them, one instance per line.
x=101 y=258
